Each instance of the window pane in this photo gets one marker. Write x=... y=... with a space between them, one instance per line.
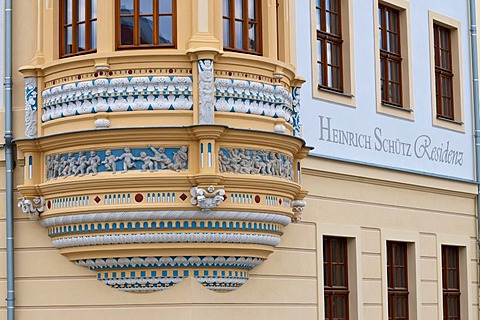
x=252 y=14
x=126 y=30
x=81 y=37
x=93 y=9
x=226 y=8
x=68 y=43
x=146 y=6
x=146 y=30
x=68 y=11
x=339 y=307
x=239 y=9
x=226 y=32
x=126 y=6
x=239 y=35
x=319 y=20
x=252 y=38
x=165 y=6
x=165 y=33
x=81 y=10
x=93 y=33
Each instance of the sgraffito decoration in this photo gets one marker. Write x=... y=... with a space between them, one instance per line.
x=296 y=112
x=151 y=159
x=264 y=162
x=31 y=106
x=117 y=94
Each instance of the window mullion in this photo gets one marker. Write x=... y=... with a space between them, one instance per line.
x=74 y=26
x=88 y=16
x=245 y=25
x=156 y=25
x=136 y=22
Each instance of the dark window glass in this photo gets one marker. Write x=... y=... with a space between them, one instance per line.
x=242 y=25
x=443 y=72
x=397 y=280
x=329 y=44
x=335 y=278
x=146 y=23
x=78 y=19
x=451 y=283
x=390 y=56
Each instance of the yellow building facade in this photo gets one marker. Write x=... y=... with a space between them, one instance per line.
x=161 y=171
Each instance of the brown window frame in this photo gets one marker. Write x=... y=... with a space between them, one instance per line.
x=443 y=72
x=136 y=34
x=245 y=23
x=334 y=40
x=74 y=25
x=397 y=292
x=450 y=290
x=330 y=289
x=389 y=56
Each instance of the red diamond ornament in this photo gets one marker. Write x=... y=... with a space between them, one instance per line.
x=183 y=196
x=97 y=199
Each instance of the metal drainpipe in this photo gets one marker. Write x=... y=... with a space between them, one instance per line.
x=476 y=115
x=9 y=161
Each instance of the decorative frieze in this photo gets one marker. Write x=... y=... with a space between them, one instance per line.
x=147 y=274
x=116 y=95
x=125 y=238
x=264 y=162
x=31 y=106
x=127 y=159
x=251 y=97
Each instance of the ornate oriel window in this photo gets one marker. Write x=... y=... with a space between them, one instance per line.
x=390 y=55
x=451 y=283
x=329 y=44
x=397 y=279
x=78 y=33
x=335 y=273
x=443 y=72
x=146 y=23
x=242 y=25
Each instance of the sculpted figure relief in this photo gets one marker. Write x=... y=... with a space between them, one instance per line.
x=80 y=164
x=93 y=162
x=128 y=160
x=109 y=161
x=262 y=162
x=180 y=159
x=160 y=158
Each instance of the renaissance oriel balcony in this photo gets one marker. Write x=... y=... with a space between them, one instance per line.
x=149 y=166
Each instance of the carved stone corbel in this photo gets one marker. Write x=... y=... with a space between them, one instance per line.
x=33 y=207
x=207 y=199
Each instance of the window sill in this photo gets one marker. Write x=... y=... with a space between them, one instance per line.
x=343 y=94
x=385 y=104
x=450 y=120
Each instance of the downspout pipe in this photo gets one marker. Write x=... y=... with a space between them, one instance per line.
x=476 y=114
x=9 y=161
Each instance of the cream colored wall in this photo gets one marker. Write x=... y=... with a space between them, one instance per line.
x=372 y=205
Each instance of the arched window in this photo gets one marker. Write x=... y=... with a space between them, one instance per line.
x=78 y=20
x=242 y=25
x=146 y=23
